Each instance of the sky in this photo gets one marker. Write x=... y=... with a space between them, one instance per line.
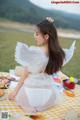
x=68 y=7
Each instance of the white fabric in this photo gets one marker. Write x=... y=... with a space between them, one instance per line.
x=39 y=80
x=13 y=84
x=38 y=96
x=38 y=88
x=31 y=57
x=69 y=53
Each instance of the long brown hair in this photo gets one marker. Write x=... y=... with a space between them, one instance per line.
x=56 y=54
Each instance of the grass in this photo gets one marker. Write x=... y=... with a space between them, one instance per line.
x=73 y=67
x=8 y=42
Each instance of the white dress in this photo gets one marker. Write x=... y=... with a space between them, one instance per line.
x=39 y=91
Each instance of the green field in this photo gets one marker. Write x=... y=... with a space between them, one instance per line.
x=8 y=42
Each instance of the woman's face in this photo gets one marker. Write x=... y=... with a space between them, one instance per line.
x=39 y=37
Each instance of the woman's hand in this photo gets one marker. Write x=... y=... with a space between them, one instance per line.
x=12 y=95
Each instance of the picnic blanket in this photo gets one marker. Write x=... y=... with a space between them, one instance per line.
x=69 y=106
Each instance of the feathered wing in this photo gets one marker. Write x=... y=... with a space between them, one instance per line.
x=69 y=53
x=27 y=56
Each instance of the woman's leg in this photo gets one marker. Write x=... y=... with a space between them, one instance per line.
x=53 y=100
x=22 y=101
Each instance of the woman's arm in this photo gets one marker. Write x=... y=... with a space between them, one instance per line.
x=24 y=75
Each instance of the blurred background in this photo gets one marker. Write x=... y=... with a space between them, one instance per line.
x=17 y=20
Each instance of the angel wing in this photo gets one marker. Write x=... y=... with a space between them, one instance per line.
x=69 y=53
x=29 y=57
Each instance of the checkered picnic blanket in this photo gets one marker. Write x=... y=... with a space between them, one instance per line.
x=58 y=112
x=61 y=111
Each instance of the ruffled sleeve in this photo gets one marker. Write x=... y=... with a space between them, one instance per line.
x=30 y=57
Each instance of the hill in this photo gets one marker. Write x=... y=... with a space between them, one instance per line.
x=26 y=12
